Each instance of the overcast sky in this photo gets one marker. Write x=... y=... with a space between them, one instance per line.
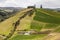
x=25 y=3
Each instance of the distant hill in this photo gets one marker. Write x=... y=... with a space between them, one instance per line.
x=11 y=8
x=7 y=12
x=58 y=9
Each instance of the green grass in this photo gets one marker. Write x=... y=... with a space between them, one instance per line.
x=46 y=18
x=57 y=29
x=51 y=12
x=27 y=37
x=50 y=26
x=50 y=22
x=37 y=26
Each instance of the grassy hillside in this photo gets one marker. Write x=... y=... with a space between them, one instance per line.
x=46 y=20
x=7 y=26
x=41 y=20
x=28 y=37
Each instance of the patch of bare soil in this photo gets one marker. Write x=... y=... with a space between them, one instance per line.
x=52 y=36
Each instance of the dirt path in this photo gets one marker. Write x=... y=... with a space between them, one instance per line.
x=52 y=36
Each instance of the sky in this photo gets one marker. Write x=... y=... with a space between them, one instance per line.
x=25 y=3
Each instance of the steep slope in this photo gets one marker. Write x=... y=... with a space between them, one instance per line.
x=26 y=25
x=47 y=20
x=8 y=25
x=41 y=21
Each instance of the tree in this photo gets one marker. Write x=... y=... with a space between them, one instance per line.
x=41 y=6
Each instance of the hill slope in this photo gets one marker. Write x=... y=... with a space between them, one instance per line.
x=42 y=20
x=8 y=25
x=47 y=20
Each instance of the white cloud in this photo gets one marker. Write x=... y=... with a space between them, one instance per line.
x=2 y=1
x=49 y=3
x=8 y=3
x=18 y=3
x=25 y=3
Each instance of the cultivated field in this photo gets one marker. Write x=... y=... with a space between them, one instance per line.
x=44 y=23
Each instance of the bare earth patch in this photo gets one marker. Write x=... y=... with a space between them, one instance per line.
x=52 y=36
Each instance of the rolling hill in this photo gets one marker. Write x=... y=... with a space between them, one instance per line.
x=45 y=23
x=43 y=20
x=47 y=20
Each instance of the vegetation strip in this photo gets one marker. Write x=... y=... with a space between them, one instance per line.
x=17 y=23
